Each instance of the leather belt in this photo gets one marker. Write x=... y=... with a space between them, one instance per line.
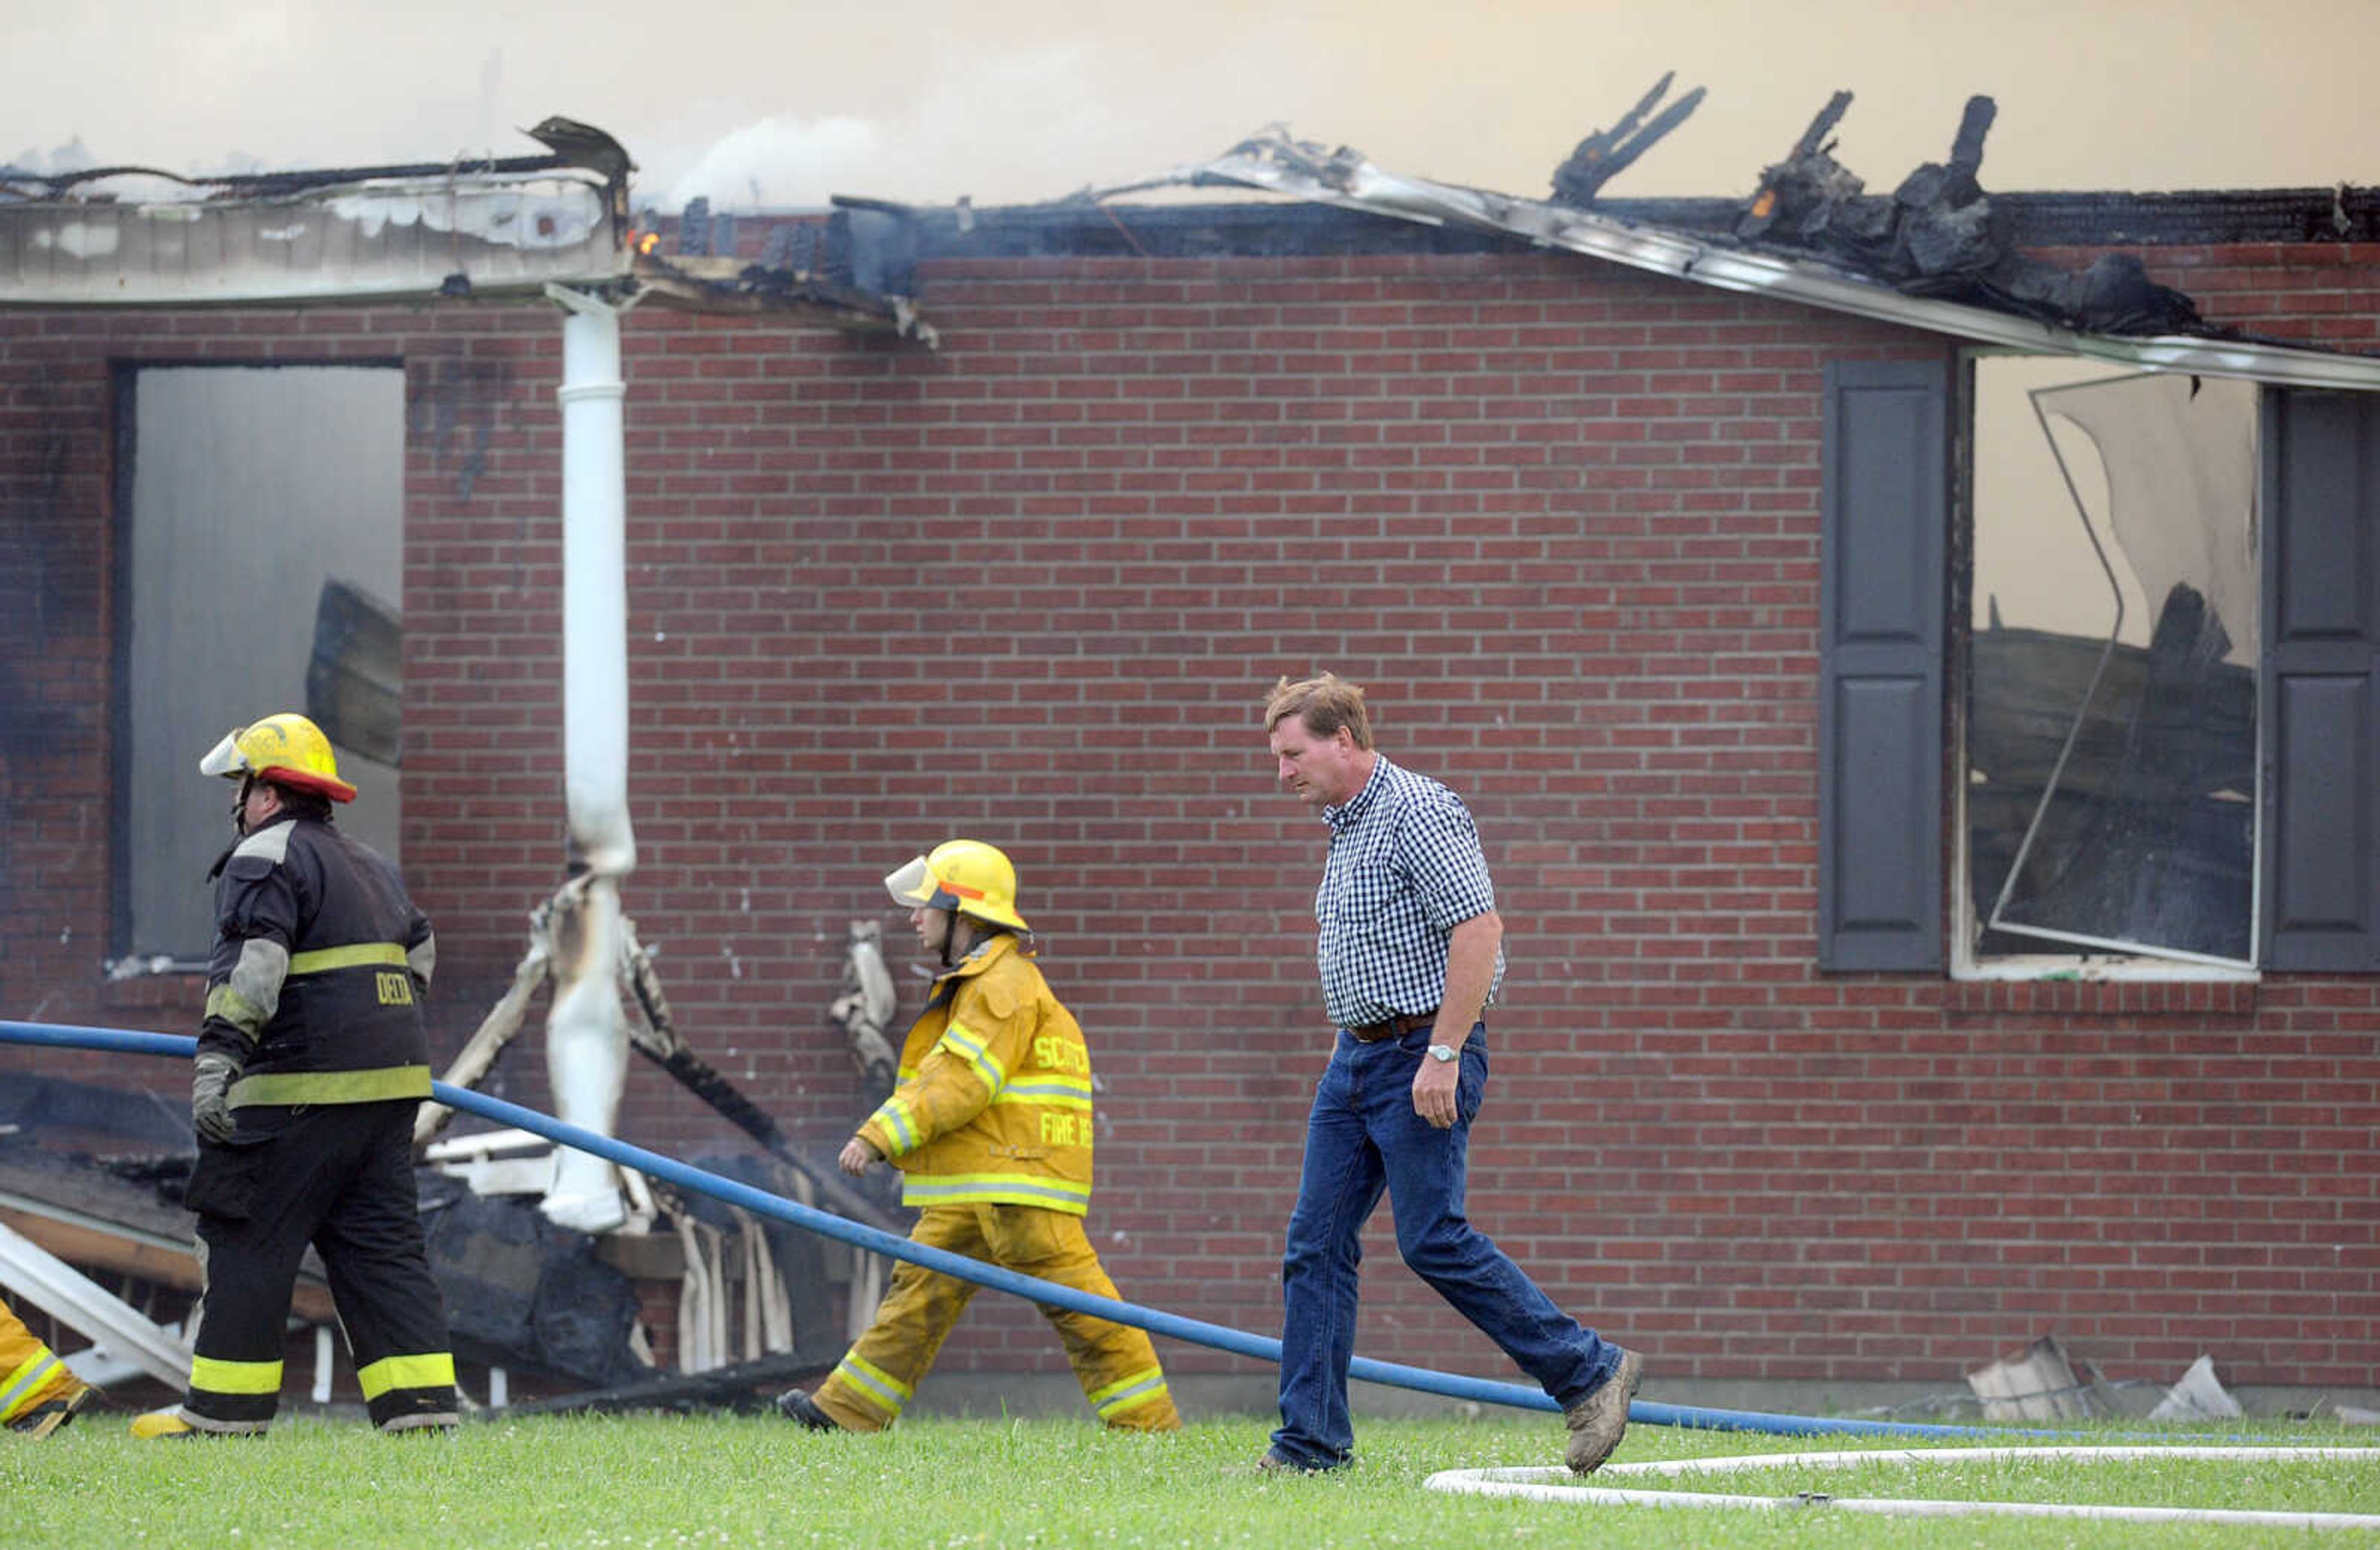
x=1394 y=1027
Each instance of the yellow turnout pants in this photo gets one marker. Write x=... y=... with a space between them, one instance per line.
x=31 y=1372
x=1115 y=1362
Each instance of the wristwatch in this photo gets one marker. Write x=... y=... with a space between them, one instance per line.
x=1442 y=1052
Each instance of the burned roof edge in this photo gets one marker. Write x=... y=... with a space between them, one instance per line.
x=1343 y=177
x=1083 y=228
x=570 y=145
x=378 y=239
x=463 y=229
x=2103 y=218
x=2196 y=217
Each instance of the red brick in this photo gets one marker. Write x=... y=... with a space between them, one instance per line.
x=1562 y=518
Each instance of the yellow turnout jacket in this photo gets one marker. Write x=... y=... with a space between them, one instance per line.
x=994 y=1101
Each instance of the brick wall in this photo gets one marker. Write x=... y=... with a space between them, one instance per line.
x=1560 y=518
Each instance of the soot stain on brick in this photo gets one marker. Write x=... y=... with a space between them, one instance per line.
x=452 y=408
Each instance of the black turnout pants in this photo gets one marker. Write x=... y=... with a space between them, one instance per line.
x=340 y=1177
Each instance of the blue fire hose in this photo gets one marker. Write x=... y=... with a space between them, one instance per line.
x=876 y=1241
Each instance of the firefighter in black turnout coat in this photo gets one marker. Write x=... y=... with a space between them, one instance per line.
x=309 y=1067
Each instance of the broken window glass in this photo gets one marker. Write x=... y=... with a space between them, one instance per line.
x=2111 y=716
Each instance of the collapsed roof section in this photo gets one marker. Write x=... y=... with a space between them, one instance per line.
x=856 y=269
x=1823 y=276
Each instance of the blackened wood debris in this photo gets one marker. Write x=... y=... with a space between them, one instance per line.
x=1939 y=234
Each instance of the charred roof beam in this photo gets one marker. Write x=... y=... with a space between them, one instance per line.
x=1606 y=153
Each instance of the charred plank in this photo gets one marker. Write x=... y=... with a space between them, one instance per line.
x=1606 y=153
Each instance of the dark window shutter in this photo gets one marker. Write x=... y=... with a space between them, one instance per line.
x=2321 y=693
x=1886 y=479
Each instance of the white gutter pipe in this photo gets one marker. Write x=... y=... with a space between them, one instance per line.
x=587 y=1032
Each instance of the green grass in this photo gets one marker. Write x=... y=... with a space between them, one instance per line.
x=675 y=1483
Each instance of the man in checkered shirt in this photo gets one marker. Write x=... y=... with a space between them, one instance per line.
x=1410 y=952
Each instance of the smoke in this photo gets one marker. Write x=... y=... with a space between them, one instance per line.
x=73 y=156
x=784 y=163
x=1000 y=126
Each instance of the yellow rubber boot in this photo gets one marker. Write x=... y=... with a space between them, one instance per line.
x=166 y=1423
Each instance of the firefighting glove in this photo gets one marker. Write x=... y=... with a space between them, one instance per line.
x=211 y=1079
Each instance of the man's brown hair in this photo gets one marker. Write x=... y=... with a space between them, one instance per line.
x=1324 y=703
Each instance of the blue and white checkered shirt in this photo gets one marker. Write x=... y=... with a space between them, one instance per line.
x=1404 y=870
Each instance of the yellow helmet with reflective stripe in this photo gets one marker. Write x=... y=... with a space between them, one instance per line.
x=287 y=750
x=967 y=876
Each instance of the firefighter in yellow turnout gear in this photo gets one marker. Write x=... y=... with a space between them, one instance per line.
x=37 y=1394
x=990 y=1127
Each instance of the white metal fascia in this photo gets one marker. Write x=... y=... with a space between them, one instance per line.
x=374 y=239
x=1283 y=166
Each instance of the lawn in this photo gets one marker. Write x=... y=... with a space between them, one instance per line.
x=675 y=1481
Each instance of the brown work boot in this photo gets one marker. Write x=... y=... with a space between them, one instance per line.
x=1277 y=1462
x=53 y=1412
x=1597 y=1421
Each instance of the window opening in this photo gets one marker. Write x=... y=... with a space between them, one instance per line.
x=260 y=555
x=2111 y=726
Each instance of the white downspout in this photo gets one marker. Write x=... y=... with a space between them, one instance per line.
x=586 y=1031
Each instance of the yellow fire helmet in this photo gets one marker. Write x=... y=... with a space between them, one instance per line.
x=287 y=750
x=967 y=876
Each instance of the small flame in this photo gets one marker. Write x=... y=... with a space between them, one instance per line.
x=644 y=242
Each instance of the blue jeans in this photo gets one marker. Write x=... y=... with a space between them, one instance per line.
x=1363 y=1136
